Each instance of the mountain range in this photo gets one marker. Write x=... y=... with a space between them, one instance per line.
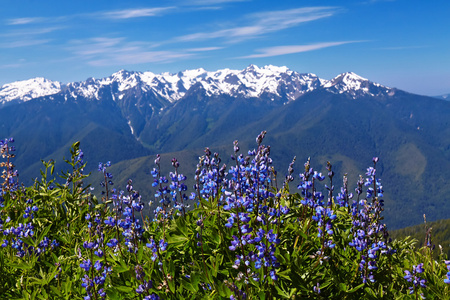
x=253 y=82
x=128 y=117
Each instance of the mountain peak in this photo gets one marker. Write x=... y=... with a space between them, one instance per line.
x=347 y=78
x=267 y=69
x=355 y=85
x=252 y=67
x=351 y=76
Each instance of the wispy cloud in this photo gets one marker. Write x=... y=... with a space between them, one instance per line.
x=30 y=32
x=24 y=43
x=283 y=50
x=38 y=20
x=135 y=13
x=259 y=24
x=232 y=33
x=204 y=49
x=21 y=63
x=404 y=47
x=212 y=2
x=376 y=1
x=26 y=37
x=23 y=21
x=126 y=57
x=103 y=51
x=112 y=15
x=94 y=46
x=277 y=20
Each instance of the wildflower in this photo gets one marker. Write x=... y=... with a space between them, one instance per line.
x=86 y=265
x=415 y=279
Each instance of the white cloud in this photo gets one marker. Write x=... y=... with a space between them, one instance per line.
x=19 y=64
x=135 y=13
x=238 y=32
x=94 y=46
x=37 y=20
x=283 y=50
x=23 y=21
x=204 y=49
x=24 y=43
x=277 y=20
x=404 y=47
x=376 y=1
x=114 y=15
x=29 y=32
x=137 y=56
x=211 y=2
x=259 y=24
x=103 y=51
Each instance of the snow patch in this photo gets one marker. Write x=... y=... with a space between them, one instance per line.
x=29 y=89
x=131 y=127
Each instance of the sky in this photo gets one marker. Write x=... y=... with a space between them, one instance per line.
x=398 y=43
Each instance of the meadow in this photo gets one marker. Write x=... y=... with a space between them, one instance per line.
x=241 y=232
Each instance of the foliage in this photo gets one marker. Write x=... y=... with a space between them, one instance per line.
x=237 y=236
x=435 y=235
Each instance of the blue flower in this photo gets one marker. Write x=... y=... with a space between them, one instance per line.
x=86 y=265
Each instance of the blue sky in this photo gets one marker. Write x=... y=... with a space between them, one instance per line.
x=398 y=43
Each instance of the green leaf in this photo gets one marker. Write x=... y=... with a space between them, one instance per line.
x=67 y=286
x=195 y=279
x=217 y=263
x=56 y=291
x=34 y=280
x=22 y=265
x=285 y=274
x=371 y=293
x=44 y=293
x=121 y=268
x=171 y=269
x=181 y=226
x=223 y=289
x=140 y=253
x=112 y=294
x=125 y=289
x=43 y=234
x=355 y=288
x=262 y=295
x=281 y=293
x=205 y=203
x=188 y=286
x=177 y=239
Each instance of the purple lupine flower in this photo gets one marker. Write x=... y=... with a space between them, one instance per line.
x=415 y=279
x=86 y=265
x=317 y=288
x=447 y=263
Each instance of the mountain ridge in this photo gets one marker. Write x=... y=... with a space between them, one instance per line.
x=252 y=82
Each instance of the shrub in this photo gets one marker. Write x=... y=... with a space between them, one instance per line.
x=243 y=236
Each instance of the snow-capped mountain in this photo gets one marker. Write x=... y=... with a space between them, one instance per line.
x=356 y=85
x=28 y=89
x=270 y=82
x=248 y=83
